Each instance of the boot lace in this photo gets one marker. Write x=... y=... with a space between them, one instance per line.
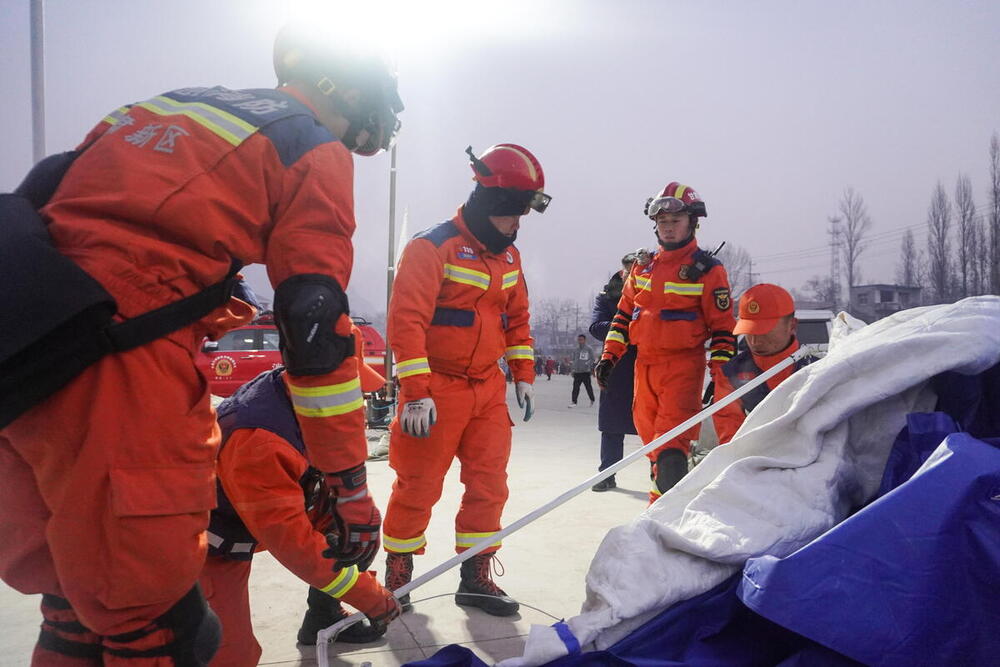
x=400 y=570
x=484 y=573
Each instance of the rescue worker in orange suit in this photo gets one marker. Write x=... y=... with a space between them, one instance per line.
x=767 y=320
x=105 y=503
x=263 y=473
x=670 y=306
x=459 y=303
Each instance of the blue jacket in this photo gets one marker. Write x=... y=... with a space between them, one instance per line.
x=615 y=412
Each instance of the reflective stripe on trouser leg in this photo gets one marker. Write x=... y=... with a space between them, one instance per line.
x=484 y=452
x=421 y=464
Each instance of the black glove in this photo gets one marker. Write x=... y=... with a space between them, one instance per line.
x=603 y=372
x=709 y=394
x=356 y=540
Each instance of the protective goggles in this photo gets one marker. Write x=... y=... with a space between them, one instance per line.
x=539 y=201
x=674 y=205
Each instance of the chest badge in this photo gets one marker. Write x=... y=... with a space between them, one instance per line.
x=510 y=257
x=684 y=272
x=465 y=252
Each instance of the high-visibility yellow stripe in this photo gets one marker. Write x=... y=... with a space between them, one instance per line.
x=231 y=128
x=343 y=582
x=115 y=116
x=684 y=289
x=642 y=283
x=328 y=400
x=510 y=279
x=460 y=274
x=412 y=367
x=399 y=546
x=679 y=192
x=615 y=336
x=472 y=539
x=520 y=352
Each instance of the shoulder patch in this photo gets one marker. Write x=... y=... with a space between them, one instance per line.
x=438 y=234
x=721 y=296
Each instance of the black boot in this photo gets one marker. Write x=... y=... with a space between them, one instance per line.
x=323 y=612
x=398 y=572
x=671 y=466
x=477 y=580
x=605 y=485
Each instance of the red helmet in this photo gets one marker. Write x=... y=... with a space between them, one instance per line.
x=302 y=53
x=676 y=198
x=511 y=167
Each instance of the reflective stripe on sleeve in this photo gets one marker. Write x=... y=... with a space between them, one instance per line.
x=615 y=336
x=684 y=289
x=403 y=546
x=412 y=367
x=328 y=400
x=467 y=540
x=520 y=352
x=510 y=279
x=343 y=582
x=460 y=274
x=231 y=128
x=643 y=283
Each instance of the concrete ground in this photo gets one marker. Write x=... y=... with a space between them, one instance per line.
x=545 y=563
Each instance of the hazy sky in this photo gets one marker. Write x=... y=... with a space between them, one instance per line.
x=768 y=109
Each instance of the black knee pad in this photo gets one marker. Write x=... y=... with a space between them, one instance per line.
x=671 y=466
x=197 y=630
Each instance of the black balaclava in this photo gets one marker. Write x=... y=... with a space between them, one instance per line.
x=679 y=244
x=613 y=290
x=484 y=202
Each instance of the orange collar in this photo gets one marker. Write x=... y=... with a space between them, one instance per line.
x=766 y=362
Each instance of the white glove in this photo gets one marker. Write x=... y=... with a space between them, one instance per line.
x=525 y=395
x=418 y=417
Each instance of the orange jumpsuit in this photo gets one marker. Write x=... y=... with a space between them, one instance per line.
x=456 y=308
x=669 y=316
x=741 y=369
x=261 y=474
x=114 y=473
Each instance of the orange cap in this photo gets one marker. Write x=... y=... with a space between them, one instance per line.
x=371 y=379
x=761 y=307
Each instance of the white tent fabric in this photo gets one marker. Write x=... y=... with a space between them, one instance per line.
x=811 y=452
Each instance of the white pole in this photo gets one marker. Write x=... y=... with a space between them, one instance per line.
x=38 y=79
x=390 y=272
x=324 y=636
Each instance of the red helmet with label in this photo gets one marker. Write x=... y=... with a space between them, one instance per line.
x=676 y=198
x=511 y=167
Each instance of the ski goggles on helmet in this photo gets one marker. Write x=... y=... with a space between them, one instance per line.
x=673 y=205
x=539 y=201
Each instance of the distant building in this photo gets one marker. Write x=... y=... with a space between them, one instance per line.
x=873 y=302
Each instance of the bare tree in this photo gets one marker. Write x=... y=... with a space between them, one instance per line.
x=938 y=244
x=908 y=269
x=965 y=216
x=738 y=265
x=854 y=215
x=818 y=288
x=981 y=256
x=993 y=221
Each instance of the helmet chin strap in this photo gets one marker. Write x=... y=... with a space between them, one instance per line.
x=673 y=246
